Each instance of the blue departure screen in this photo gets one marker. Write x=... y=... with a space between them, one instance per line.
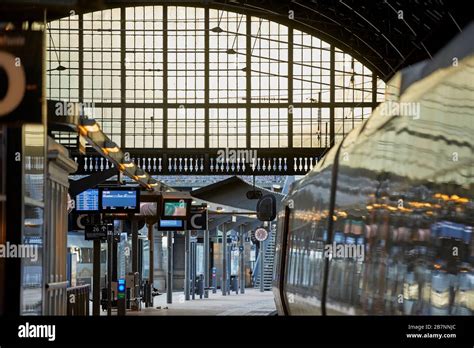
x=119 y=199
x=171 y=223
x=88 y=200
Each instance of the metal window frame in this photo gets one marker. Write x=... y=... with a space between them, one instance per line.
x=166 y=105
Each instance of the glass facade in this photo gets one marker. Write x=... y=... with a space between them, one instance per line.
x=196 y=77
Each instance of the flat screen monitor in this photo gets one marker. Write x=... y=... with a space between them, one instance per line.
x=174 y=208
x=88 y=201
x=171 y=225
x=120 y=200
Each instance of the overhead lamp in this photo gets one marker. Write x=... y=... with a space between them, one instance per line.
x=60 y=67
x=129 y=164
x=140 y=173
x=89 y=125
x=110 y=147
x=220 y=209
x=152 y=182
x=123 y=166
x=217 y=29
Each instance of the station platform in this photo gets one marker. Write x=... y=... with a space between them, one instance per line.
x=253 y=302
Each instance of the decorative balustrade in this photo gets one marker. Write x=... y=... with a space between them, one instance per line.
x=208 y=163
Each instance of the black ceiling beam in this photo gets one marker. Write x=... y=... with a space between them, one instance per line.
x=90 y=181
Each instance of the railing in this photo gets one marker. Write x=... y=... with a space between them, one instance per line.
x=56 y=298
x=208 y=162
x=78 y=300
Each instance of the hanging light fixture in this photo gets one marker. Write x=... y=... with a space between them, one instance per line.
x=60 y=67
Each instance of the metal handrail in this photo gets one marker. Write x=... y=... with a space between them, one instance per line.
x=56 y=285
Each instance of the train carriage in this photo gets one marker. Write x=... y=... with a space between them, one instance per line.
x=399 y=191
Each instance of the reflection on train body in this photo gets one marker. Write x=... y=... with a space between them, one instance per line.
x=403 y=189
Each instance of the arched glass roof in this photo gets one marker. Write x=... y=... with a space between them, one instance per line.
x=193 y=77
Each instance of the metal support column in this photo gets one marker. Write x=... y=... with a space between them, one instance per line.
x=151 y=272
x=242 y=261
x=229 y=274
x=206 y=262
x=134 y=245
x=123 y=76
x=262 y=260
x=165 y=78
x=96 y=279
x=224 y=260
x=193 y=269
x=290 y=87
x=169 y=273
x=206 y=76
x=115 y=261
x=109 y=274
x=186 y=265
x=248 y=80
x=135 y=255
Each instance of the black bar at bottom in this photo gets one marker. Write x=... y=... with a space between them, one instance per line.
x=289 y=331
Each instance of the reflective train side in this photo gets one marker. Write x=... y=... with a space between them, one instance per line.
x=399 y=189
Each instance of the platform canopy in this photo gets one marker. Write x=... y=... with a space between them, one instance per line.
x=233 y=192
x=227 y=202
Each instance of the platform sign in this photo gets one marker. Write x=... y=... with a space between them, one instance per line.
x=97 y=232
x=21 y=66
x=261 y=234
x=78 y=222
x=197 y=219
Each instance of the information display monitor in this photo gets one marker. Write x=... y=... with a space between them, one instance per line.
x=171 y=225
x=88 y=201
x=175 y=209
x=120 y=200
